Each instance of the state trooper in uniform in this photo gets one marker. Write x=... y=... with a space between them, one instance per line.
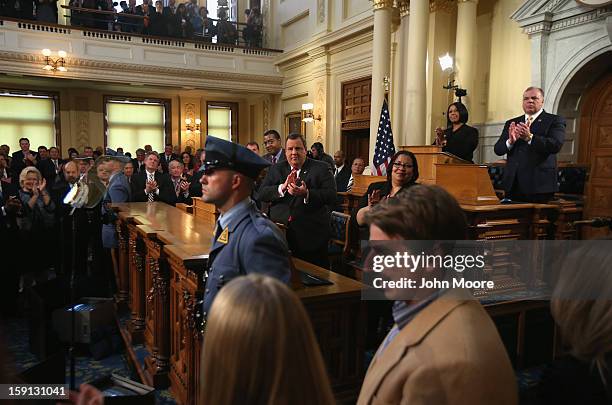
x=245 y=241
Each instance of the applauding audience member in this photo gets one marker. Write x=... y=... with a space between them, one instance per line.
x=260 y=348
x=301 y=192
x=152 y=185
x=531 y=143
x=37 y=219
x=180 y=183
x=403 y=174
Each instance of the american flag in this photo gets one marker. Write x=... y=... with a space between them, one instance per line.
x=384 y=149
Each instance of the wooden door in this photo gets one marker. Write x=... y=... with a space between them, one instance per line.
x=355 y=127
x=356 y=143
x=596 y=149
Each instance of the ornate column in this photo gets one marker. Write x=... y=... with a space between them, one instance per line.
x=465 y=46
x=415 y=103
x=381 y=63
x=399 y=80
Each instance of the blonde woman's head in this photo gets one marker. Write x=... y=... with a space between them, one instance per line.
x=259 y=347
x=582 y=302
x=29 y=178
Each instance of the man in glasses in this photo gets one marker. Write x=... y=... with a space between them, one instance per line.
x=244 y=241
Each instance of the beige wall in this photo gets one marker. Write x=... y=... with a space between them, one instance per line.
x=510 y=67
x=442 y=27
x=82 y=112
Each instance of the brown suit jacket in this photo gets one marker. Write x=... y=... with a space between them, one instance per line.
x=450 y=353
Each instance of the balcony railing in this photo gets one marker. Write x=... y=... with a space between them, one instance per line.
x=102 y=55
x=172 y=27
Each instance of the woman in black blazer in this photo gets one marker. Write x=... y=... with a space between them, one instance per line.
x=458 y=138
x=402 y=173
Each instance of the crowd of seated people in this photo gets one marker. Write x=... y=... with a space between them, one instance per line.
x=184 y=20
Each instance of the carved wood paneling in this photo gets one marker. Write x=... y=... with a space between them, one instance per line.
x=356 y=100
x=137 y=290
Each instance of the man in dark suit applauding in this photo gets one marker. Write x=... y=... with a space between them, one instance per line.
x=531 y=143
x=22 y=158
x=301 y=192
x=151 y=185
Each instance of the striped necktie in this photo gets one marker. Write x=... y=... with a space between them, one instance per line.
x=150 y=196
x=350 y=184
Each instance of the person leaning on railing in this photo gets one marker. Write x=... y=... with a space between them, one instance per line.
x=252 y=33
x=226 y=31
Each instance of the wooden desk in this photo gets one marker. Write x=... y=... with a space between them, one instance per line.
x=153 y=226
x=336 y=311
x=172 y=249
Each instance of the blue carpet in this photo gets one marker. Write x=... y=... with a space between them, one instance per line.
x=15 y=334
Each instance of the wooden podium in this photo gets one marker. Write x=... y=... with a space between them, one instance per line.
x=467 y=182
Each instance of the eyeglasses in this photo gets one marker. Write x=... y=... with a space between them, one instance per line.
x=399 y=165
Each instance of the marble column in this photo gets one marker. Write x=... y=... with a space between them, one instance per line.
x=381 y=63
x=465 y=46
x=399 y=84
x=415 y=103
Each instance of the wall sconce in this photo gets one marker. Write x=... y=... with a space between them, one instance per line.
x=446 y=64
x=193 y=126
x=54 y=64
x=307 y=113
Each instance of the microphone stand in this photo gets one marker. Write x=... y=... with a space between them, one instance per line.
x=71 y=355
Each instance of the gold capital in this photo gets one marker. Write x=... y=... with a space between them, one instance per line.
x=403 y=7
x=380 y=4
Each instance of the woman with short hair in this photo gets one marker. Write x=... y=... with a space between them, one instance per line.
x=260 y=348
x=458 y=138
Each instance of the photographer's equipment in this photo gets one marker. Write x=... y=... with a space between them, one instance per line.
x=118 y=390
x=87 y=193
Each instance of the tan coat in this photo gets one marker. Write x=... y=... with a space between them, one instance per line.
x=450 y=353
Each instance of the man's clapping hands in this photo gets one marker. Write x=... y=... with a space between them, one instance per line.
x=518 y=131
x=294 y=185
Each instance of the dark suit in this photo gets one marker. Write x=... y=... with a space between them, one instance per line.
x=195 y=187
x=164 y=161
x=48 y=170
x=254 y=245
x=18 y=164
x=164 y=184
x=342 y=178
x=462 y=142
x=180 y=197
x=531 y=169
x=10 y=245
x=281 y=158
x=308 y=224
x=138 y=168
